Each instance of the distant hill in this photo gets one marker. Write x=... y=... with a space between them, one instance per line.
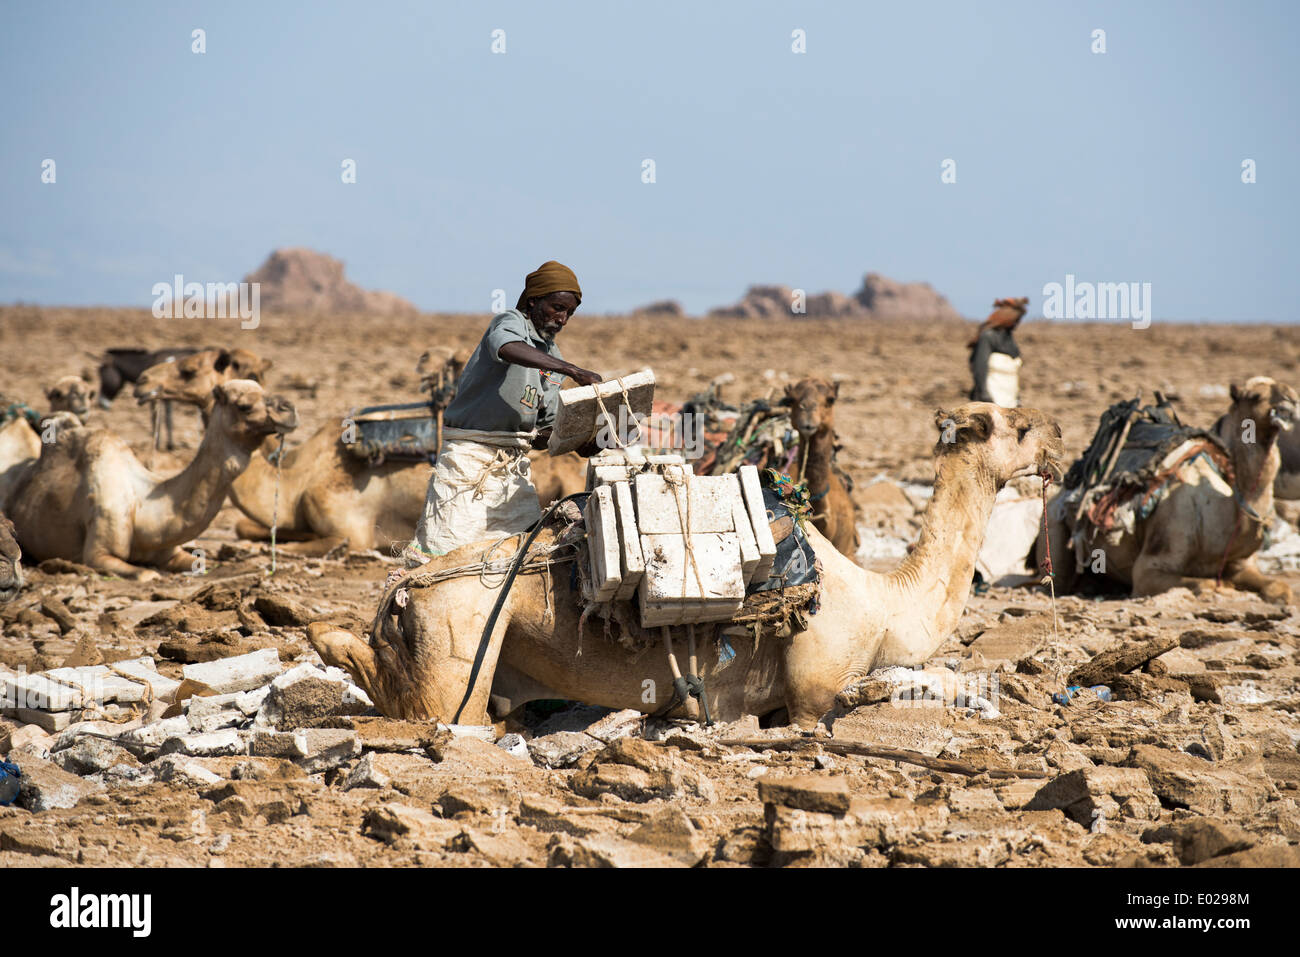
x=879 y=298
x=303 y=280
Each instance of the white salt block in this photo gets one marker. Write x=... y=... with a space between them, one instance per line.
x=663 y=505
x=614 y=465
x=749 y=557
x=752 y=491
x=579 y=419
x=671 y=575
x=603 y=552
x=629 y=542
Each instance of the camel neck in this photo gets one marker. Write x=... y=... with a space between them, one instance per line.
x=816 y=455
x=937 y=574
x=190 y=500
x=1254 y=464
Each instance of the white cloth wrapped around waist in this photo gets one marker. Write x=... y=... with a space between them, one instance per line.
x=481 y=488
x=501 y=440
x=1003 y=379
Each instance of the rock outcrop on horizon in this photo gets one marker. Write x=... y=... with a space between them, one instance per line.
x=879 y=298
x=664 y=307
x=303 y=280
x=886 y=298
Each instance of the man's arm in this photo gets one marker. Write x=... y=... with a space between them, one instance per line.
x=522 y=354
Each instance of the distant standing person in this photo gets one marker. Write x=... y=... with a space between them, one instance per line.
x=995 y=357
x=505 y=404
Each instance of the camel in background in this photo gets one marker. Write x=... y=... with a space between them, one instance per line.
x=89 y=499
x=812 y=410
x=120 y=366
x=1203 y=528
x=72 y=393
x=11 y=567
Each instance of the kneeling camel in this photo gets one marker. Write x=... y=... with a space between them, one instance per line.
x=866 y=621
x=89 y=499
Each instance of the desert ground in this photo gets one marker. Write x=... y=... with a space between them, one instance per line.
x=1201 y=768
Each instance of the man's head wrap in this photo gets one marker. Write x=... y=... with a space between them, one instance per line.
x=549 y=277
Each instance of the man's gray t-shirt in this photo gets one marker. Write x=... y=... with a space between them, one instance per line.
x=493 y=395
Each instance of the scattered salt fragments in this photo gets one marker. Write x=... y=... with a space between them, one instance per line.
x=365 y=775
x=213 y=744
x=933 y=688
x=240 y=673
x=514 y=744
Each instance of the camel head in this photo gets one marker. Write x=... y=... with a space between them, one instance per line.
x=438 y=366
x=11 y=569
x=1002 y=443
x=812 y=405
x=1271 y=405
x=249 y=414
x=191 y=379
x=72 y=394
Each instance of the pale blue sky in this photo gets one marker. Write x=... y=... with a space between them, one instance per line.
x=808 y=170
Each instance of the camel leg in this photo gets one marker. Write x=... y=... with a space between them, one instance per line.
x=1247 y=576
x=311 y=547
x=104 y=543
x=1151 y=577
x=252 y=531
x=338 y=518
x=808 y=695
x=112 y=565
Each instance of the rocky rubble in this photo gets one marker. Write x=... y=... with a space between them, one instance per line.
x=253 y=761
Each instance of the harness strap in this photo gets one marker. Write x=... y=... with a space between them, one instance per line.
x=481 y=653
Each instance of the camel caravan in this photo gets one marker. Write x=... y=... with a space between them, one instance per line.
x=726 y=577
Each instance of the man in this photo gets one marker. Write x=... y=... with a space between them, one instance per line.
x=995 y=357
x=505 y=404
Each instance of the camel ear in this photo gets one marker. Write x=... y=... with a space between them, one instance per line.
x=977 y=425
x=1234 y=393
x=49 y=392
x=980 y=425
x=789 y=391
x=835 y=390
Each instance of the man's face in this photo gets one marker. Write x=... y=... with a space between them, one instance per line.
x=552 y=312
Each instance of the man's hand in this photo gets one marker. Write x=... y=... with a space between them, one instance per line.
x=582 y=376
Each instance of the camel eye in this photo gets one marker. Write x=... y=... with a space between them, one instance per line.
x=1021 y=433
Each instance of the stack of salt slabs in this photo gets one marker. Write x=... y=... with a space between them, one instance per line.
x=685 y=546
